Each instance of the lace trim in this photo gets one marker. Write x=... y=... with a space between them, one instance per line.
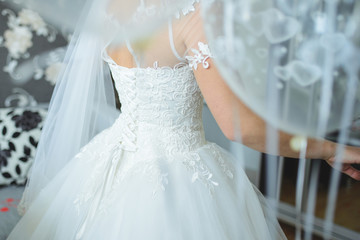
x=200 y=56
x=179 y=66
x=188 y=9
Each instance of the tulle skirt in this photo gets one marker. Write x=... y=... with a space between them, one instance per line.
x=108 y=192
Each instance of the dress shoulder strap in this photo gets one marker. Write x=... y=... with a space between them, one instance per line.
x=172 y=45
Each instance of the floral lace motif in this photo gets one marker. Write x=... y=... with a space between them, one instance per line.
x=200 y=56
x=223 y=164
x=187 y=9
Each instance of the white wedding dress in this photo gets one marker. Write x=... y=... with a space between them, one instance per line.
x=151 y=175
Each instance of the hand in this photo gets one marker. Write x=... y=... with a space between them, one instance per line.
x=351 y=156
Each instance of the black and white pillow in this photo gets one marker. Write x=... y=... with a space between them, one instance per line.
x=20 y=130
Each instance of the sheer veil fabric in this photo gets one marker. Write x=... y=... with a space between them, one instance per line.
x=177 y=185
x=82 y=105
x=83 y=101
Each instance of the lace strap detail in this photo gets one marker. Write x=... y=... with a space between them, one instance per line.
x=190 y=7
x=171 y=40
x=200 y=56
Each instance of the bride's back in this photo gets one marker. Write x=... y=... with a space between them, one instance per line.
x=167 y=46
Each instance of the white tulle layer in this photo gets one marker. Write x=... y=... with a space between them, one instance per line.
x=107 y=192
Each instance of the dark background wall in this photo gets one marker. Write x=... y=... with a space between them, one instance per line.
x=38 y=57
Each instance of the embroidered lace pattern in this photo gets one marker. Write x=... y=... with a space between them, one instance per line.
x=161 y=118
x=201 y=56
x=160 y=105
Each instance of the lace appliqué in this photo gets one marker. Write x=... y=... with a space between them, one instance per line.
x=188 y=9
x=200 y=56
x=221 y=161
x=201 y=172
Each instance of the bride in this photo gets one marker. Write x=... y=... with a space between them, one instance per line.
x=150 y=174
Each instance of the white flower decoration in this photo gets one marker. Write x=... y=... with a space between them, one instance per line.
x=39 y=73
x=18 y=38
x=10 y=67
x=18 y=41
x=200 y=56
x=33 y=19
x=52 y=72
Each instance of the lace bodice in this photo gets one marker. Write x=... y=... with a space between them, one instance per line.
x=168 y=97
x=162 y=114
x=164 y=101
x=162 y=104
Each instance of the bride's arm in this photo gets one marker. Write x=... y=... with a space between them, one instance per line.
x=233 y=116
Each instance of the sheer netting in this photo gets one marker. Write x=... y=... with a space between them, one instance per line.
x=181 y=41
x=152 y=174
